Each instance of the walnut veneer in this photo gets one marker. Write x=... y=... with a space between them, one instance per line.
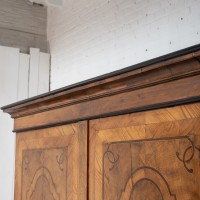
x=133 y=134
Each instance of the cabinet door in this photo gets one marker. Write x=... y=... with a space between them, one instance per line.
x=51 y=164
x=152 y=155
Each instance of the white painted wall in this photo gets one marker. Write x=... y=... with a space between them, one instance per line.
x=93 y=37
x=9 y=65
x=15 y=74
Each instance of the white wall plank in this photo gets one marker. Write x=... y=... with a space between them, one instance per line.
x=23 y=76
x=20 y=75
x=34 y=72
x=44 y=63
x=9 y=61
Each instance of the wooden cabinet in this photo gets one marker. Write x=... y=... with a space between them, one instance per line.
x=51 y=163
x=132 y=134
x=149 y=155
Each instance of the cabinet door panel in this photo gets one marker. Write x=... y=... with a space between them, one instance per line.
x=52 y=163
x=146 y=156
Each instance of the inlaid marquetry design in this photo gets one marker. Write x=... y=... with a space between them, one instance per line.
x=42 y=172
x=42 y=175
x=51 y=164
x=152 y=155
x=140 y=169
x=191 y=149
x=149 y=180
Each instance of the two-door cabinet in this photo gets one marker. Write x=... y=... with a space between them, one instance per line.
x=131 y=134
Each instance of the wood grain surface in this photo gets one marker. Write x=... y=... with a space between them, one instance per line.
x=135 y=135
x=52 y=163
x=146 y=156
